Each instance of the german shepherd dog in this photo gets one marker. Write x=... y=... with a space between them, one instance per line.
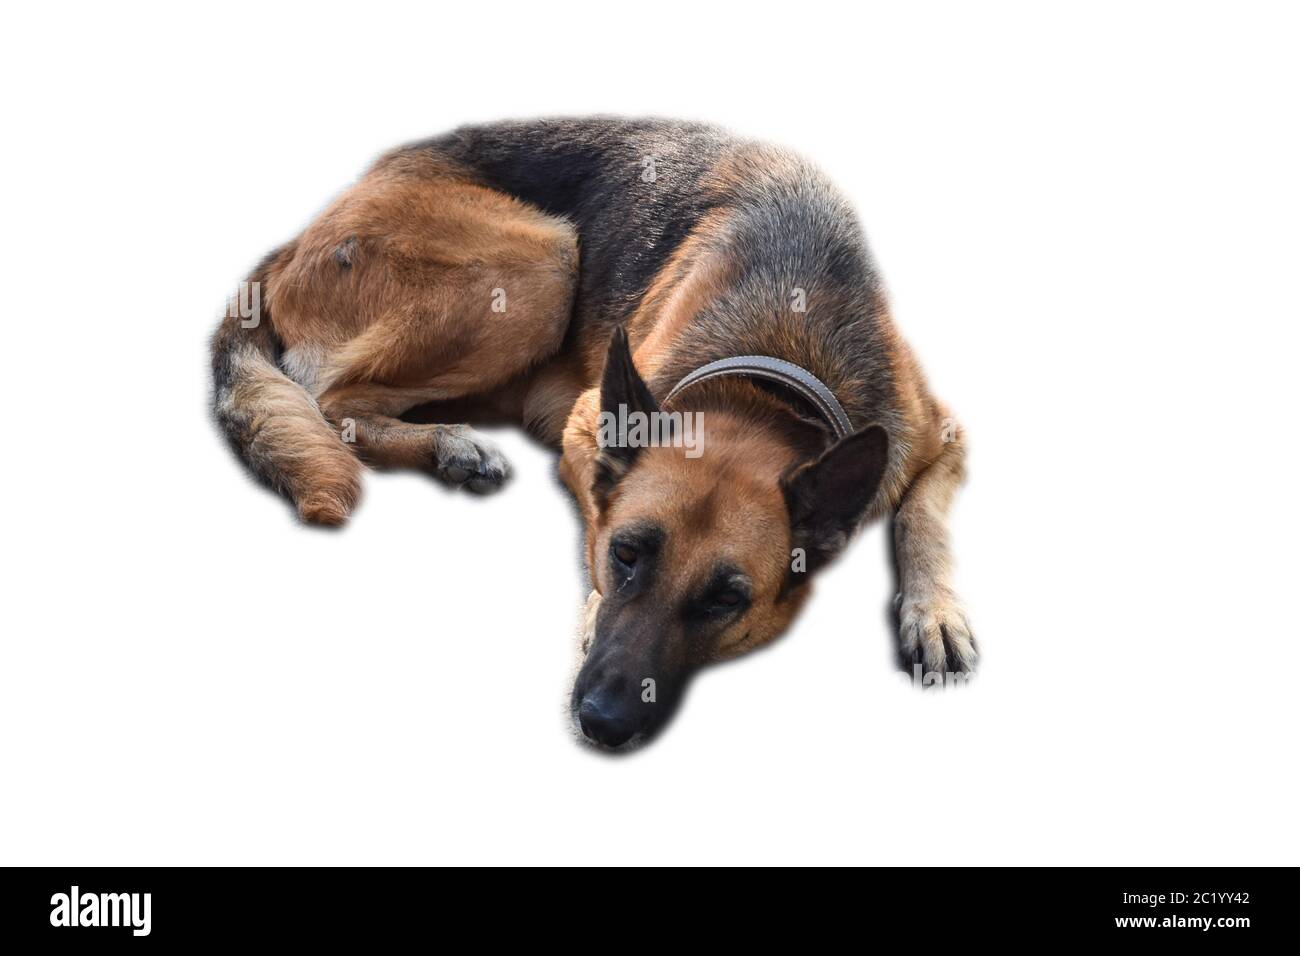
x=563 y=273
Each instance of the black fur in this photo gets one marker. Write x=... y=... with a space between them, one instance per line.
x=789 y=229
x=620 y=386
x=590 y=172
x=827 y=498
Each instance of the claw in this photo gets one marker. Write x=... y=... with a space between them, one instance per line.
x=934 y=632
x=463 y=457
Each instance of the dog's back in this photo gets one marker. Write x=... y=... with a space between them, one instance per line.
x=768 y=252
x=652 y=198
x=634 y=190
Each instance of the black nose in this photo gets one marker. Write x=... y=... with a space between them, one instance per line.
x=602 y=723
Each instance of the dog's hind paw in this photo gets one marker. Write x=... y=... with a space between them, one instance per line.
x=463 y=457
x=933 y=631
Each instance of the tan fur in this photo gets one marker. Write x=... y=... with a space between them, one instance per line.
x=551 y=395
x=284 y=435
x=694 y=275
x=387 y=301
x=724 y=506
x=323 y=477
x=428 y=259
x=578 y=462
x=933 y=623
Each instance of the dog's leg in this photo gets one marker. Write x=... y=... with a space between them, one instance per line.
x=933 y=629
x=419 y=286
x=448 y=342
x=456 y=454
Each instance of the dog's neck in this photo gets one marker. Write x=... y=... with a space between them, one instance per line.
x=765 y=368
x=762 y=408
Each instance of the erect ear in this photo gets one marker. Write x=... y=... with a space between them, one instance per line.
x=828 y=497
x=622 y=393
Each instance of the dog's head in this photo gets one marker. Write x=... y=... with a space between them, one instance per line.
x=699 y=551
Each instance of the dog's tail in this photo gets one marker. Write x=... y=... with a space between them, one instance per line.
x=271 y=421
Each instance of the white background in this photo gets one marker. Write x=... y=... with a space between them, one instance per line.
x=1087 y=218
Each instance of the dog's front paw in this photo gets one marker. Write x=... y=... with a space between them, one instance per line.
x=461 y=456
x=933 y=631
x=587 y=629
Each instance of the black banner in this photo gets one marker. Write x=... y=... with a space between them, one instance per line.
x=147 y=907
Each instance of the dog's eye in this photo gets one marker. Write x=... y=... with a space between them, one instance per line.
x=729 y=598
x=624 y=555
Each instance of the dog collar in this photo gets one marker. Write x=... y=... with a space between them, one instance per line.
x=797 y=379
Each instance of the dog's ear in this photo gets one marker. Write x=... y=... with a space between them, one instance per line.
x=827 y=497
x=622 y=392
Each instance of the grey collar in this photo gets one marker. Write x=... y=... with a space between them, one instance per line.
x=798 y=380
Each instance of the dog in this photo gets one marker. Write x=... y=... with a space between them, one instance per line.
x=574 y=275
